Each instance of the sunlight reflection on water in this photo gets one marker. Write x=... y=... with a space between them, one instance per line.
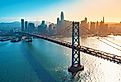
x=96 y=69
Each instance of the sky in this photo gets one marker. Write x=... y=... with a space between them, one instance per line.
x=49 y=10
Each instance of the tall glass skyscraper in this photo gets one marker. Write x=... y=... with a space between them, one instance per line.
x=26 y=25
x=62 y=16
x=22 y=24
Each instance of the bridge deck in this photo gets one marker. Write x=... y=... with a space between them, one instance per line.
x=97 y=53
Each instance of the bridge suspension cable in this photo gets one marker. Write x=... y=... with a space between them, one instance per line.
x=109 y=44
x=69 y=28
x=91 y=51
x=66 y=28
x=62 y=31
x=104 y=41
x=112 y=42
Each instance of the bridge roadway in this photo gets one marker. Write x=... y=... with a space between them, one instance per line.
x=97 y=53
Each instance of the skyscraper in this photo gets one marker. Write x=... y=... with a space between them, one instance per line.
x=62 y=16
x=86 y=19
x=31 y=27
x=58 y=21
x=103 y=20
x=43 y=23
x=22 y=24
x=26 y=25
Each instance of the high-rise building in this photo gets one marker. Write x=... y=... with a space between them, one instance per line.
x=31 y=27
x=86 y=19
x=43 y=22
x=58 y=21
x=62 y=16
x=26 y=25
x=93 y=27
x=22 y=24
x=42 y=28
x=103 y=20
x=84 y=26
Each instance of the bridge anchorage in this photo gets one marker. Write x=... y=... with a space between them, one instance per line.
x=76 y=66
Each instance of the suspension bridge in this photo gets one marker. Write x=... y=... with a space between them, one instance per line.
x=77 y=48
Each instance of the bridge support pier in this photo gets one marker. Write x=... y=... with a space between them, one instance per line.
x=76 y=66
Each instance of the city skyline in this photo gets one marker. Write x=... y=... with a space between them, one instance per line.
x=13 y=10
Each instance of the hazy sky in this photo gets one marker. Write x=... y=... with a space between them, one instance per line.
x=49 y=10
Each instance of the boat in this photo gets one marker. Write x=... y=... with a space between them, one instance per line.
x=28 y=39
x=15 y=39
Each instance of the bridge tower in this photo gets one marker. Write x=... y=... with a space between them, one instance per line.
x=76 y=66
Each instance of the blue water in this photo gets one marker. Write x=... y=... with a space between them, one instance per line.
x=43 y=61
x=39 y=61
